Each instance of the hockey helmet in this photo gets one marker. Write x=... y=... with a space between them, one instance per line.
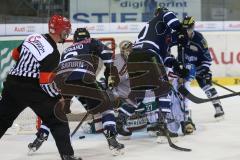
x=80 y=34
x=159 y=10
x=125 y=48
x=188 y=22
x=57 y=24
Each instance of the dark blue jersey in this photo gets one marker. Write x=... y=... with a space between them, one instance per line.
x=197 y=52
x=89 y=50
x=89 y=46
x=156 y=35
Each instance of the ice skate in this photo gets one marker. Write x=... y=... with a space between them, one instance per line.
x=156 y=128
x=121 y=125
x=159 y=131
x=36 y=144
x=219 y=112
x=114 y=145
x=70 y=157
x=188 y=127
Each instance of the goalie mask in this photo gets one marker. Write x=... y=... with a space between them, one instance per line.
x=80 y=34
x=126 y=48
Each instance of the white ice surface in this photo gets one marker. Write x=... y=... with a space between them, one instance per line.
x=212 y=141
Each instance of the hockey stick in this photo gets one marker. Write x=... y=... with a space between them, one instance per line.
x=198 y=100
x=217 y=84
x=181 y=54
x=80 y=123
x=164 y=129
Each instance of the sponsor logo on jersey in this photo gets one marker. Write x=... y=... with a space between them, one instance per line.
x=36 y=40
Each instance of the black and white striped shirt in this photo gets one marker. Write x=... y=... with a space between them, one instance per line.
x=27 y=66
x=38 y=59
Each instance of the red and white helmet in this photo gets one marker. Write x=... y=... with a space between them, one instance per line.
x=58 y=23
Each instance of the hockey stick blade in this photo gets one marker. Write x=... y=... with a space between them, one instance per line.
x=80 y=123
x=163 y=128
x=198 y=100
x=177 y=147
x=171 y=144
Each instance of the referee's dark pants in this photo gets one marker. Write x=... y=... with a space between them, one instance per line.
x=21 y=92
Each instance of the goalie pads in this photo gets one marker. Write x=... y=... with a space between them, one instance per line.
x=137 y=121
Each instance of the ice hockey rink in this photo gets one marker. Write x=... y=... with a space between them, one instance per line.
x=213 y=140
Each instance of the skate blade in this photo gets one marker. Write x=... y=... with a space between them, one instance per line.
x=220 y=118
x=117 y=152
x=152 y=133
x=125 y=137
x=30 y=152
x=163 y=139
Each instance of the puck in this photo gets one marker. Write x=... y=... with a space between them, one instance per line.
x=81 y=137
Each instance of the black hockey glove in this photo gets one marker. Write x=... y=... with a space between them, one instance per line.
x=180 y=70
x=182 y=37
x=170 y=61
x=205 y=74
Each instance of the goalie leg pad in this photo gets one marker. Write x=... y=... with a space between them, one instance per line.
x=127 y=109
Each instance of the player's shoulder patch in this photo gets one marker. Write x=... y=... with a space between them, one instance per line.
x=204 y=43
x=202 y=40
x=38 y=46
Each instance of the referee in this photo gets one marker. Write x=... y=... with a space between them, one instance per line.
x=30 y=83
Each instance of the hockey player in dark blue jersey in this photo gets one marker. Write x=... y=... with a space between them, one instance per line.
x=152 y=46
x=88 y=51
x=155 y=37
x=196 y=55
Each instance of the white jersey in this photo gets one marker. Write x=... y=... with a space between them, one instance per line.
x=123 y=88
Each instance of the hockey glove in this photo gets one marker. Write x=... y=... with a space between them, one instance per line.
x=170 y=61
x=180 y=70
x=113 y=78
x=113 y=81
x=182 y=37
x=205 y=74
x=188 y=127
